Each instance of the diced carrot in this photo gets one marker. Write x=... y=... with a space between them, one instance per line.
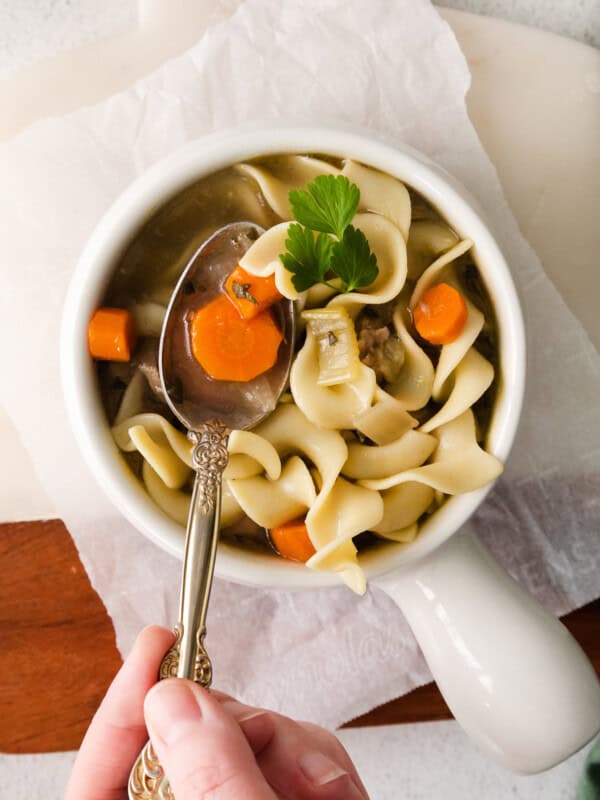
x=291 y=540
x=440 y=314
x=111 y=334
x=229 y=347
x=251 y=294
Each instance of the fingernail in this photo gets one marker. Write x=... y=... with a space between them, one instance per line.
x=170 y=708
x=319 y=769
x=240 y=712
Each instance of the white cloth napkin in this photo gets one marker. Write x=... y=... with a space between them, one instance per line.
x=394 y=68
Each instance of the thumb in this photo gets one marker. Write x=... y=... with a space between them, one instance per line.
x=201 y=748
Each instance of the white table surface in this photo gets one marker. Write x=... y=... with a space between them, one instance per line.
x=413 y=762
x=31 y=30
x=428 y=761
x=577 y=19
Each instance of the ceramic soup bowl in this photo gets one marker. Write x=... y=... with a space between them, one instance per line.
x=512 y=675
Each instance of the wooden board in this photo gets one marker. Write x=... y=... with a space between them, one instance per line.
x=58 y=651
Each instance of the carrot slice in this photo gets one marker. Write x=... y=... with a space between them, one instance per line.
x=251 y=294
x=111 y=335
x=440 y=314
x=291 y=540
x=229 y=347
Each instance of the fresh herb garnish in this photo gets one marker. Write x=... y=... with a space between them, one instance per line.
x=242 y=292
x=353 y=261
x=308 y=256
x=328 y=205
x=326 y=209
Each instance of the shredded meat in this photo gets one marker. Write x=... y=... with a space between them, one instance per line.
x=379 y=348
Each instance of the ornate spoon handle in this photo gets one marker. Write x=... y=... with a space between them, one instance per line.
x=188 y=658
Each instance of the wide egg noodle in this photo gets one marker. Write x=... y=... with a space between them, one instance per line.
x=333 y=407
x=295 y=172
x=472 y=377
x=272 y=502
x=242 y=466
x=258 y=449
x=132 y=401
x=176 y=503
x=428 y=239
x=385 y=421
x=413 y=387
x=262 y=259
x=386 y=241
x=403 y=536
x=458 y=465
x=402 y=507
x=167 y=450
x=433 y=272
x=148 y=317
x=289 y=431
x=366 y=462
x=452 y=354
x=381 y=194
x=319 y=294
x=348 y=510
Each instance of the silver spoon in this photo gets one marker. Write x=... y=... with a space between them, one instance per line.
x=209 y=410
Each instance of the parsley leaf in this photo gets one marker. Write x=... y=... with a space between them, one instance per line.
x=353 y=261
x=328 y=204
x=308 y=256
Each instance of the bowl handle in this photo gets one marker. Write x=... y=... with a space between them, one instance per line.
x=511 y=673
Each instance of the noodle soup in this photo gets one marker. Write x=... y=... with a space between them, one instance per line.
x=395 y=369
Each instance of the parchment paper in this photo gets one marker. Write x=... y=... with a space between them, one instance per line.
x=394 y=68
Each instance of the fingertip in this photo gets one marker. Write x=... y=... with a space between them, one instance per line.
x=143 y=661
x=171 y=707
x=199 y=744
x=339 y=786
x=154 y=636
x=257 y=724
x=162 y=690
x=156 y=630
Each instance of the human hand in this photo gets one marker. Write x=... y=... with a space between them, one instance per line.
x=210 y=745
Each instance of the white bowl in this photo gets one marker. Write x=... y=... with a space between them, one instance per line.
x=507 y=668
x=123 y=220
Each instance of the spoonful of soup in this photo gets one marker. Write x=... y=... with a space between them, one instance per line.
x=224 y=357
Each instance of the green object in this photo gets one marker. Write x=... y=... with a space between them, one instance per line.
x=308 y=256
x=326 y=209
x=328 y=204
x=589 y=784
x=353 y=261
